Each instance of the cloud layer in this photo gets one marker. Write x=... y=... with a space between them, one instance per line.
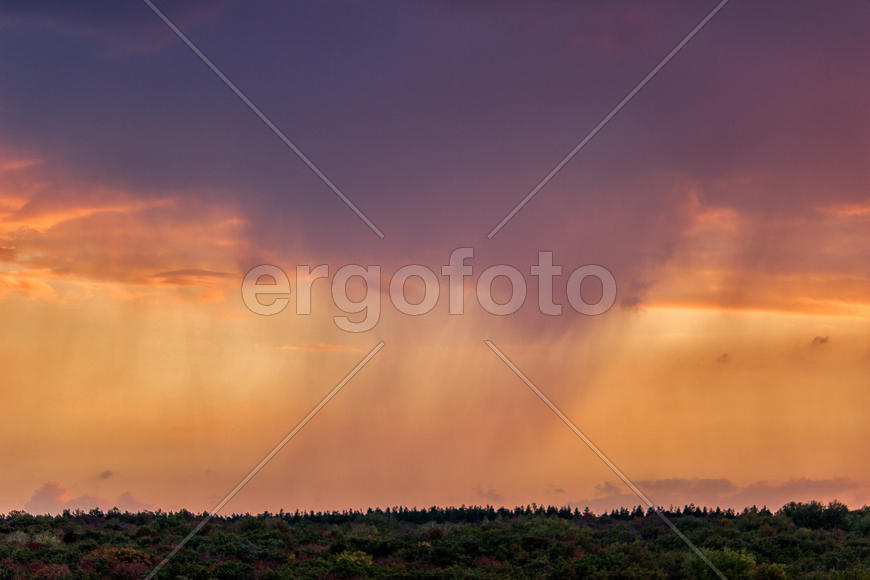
x=53 y=498
x=677 y=492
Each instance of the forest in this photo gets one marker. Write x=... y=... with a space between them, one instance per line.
x=800 y=540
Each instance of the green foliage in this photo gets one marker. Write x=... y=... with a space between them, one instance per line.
x=734 y=565
x=799 y=541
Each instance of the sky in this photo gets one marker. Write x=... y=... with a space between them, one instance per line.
x=729 y=198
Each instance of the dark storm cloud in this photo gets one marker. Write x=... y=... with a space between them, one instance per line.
x=124 y=25
x=440 y=118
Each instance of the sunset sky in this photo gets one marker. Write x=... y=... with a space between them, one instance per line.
x=730 y=199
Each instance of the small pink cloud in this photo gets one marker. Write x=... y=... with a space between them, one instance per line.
x=127 y=502
x=49 y=498
x=53 y=497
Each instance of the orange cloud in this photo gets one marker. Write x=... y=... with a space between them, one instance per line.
x=29 y=284
x=721 y=218
x=42 y=215
x=16 y=164
x=117 y=240
x=190 y=277
x=61 y=238
x=319 y=347
x=732 y=259
x=847 y=210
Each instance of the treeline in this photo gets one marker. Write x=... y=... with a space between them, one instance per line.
x=807 y=540
x=811 y=515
